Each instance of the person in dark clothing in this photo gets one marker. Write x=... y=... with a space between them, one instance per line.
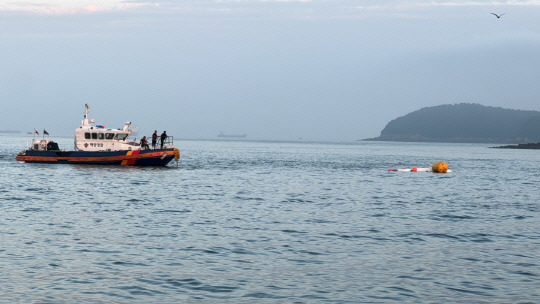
x=163 y=138
x=154 y=139
x=144 y=143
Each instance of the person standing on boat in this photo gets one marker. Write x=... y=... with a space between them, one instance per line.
x=154 y=139
x=144 y=143
x=163 y=138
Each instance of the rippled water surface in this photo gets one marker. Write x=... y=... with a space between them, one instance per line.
x=266 y=222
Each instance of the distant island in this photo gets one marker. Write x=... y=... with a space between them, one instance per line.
x=535 y=146
x=465 y=123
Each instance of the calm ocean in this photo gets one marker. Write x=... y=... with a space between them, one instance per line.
x=273 y=222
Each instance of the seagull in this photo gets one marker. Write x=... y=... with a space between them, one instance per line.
x=498 y=16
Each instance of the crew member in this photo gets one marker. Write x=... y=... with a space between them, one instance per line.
x=154 y=139
x=163 y=138
x=144 y=143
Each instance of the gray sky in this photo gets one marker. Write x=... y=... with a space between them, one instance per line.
x=333 y=70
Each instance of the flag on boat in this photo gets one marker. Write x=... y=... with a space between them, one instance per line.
x=45 y=132
x=36 y=132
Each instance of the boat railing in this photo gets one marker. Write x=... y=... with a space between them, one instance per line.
x=167 y=143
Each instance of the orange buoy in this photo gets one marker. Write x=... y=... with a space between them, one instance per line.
x=176 y=154
x=439 y=167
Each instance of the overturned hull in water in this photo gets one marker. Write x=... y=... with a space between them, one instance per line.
x=158 y=157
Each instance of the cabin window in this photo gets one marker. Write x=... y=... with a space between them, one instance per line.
x=109 y=135
x=101 y=136
x=94 y=135
x=87 y=135
x=121 y=136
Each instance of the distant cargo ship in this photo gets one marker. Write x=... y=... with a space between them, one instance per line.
x=10 y=131
x=232 y=135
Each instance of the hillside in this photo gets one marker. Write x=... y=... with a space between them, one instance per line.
x=465 y=122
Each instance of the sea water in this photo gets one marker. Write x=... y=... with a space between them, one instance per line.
x=274 y=222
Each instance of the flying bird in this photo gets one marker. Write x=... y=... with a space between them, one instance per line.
x=498 y=16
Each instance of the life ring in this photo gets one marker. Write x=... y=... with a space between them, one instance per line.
x=43 y=144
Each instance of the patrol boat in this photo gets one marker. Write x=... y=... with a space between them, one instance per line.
x=97 y=145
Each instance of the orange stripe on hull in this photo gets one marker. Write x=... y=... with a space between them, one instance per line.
x=130 y=159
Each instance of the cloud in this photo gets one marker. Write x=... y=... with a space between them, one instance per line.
x=482 y=3
x=411 y=4
x=63 y=7
x=257 y=9
x=69 y=7
x=91 y=8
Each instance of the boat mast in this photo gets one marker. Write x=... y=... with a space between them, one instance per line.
x=86 y=107
x=86 y=121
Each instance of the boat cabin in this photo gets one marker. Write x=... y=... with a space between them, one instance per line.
x=97 y=138
x=91 y=137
